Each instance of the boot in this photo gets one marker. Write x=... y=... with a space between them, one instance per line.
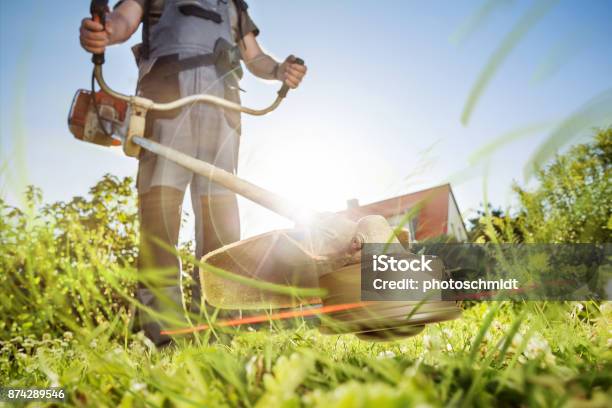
x=159 y=268
x=217 y=224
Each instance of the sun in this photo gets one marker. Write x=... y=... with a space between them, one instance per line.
x=315 y=172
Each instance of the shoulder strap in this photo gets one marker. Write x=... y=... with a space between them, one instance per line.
x=146 y=24
x=241 y=7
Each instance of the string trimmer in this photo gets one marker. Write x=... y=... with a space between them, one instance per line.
x=322 y=252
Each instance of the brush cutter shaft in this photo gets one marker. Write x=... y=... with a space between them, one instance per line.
x=241 y=187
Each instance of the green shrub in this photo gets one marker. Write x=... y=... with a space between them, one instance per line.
x=65 y=265
x=573 y=200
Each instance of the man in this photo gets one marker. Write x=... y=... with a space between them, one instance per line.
x=188 y=48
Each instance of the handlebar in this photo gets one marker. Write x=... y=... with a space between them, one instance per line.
x=98 y=10
x=285 y=88
x=201 y=98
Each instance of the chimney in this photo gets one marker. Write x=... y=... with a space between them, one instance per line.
x=352 y=203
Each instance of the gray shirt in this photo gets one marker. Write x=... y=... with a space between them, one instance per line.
x=247 y=25
x=155 y=11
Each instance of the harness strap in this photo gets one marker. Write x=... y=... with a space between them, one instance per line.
x=241 y=7
x=225 y=57
x=192 y=10
x=169 y=65
x=146 y=25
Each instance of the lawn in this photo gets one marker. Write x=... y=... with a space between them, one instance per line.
x=497 y=354
x=67 y=279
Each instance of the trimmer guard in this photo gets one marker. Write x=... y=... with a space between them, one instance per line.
x=280 y=257
x=384 y=320
x=275 y=257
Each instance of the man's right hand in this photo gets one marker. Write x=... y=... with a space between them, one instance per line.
x=94 y=37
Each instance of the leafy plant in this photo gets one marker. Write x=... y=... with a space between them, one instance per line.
x=573 y=202
x=58 y=260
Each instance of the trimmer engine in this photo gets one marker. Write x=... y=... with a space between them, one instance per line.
x=87 y=125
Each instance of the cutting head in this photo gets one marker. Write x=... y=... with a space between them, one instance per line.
x=273 y=257
x=288 y=257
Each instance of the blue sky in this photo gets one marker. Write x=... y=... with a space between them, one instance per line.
x=378 y=115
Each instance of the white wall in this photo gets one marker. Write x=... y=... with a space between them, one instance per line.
x=455 y=225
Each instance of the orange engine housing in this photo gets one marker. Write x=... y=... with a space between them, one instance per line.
x=83 y=121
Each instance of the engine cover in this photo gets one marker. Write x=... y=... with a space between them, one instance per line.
x=83 y=121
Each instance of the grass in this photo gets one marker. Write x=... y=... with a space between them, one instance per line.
x=67 y=281
x=498 y=354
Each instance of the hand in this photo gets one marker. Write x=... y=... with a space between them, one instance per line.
x=291 y=73
x=94 y=37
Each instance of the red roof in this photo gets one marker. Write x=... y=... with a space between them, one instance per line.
x=432 y=218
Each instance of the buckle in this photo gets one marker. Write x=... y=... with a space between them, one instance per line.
x=227 y=58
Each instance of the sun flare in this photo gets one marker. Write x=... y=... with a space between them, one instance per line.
x=313 y=173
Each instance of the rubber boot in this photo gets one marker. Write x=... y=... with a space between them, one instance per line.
x=165 y=301
x=217 y=224
x=159 y=268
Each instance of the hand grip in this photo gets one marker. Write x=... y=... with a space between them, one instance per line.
x=285 y=88
x=98 y=10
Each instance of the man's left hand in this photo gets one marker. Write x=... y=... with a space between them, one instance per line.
x=291 y=73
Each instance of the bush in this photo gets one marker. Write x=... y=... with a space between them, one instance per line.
x=573 y=202
x=67 y=265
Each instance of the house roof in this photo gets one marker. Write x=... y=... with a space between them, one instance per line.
x=398 y=205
